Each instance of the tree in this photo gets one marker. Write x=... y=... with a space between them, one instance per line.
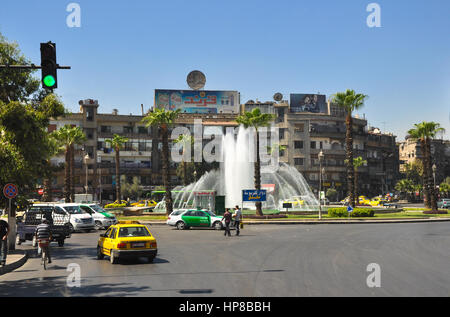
x=425 y=132
x=163 y=119
x=255 y=119
x=25 y=113
x=68 y=136
x=117 y=143
x=55 y=147
x=130 y=190
x=349 y=101
x=405 y=186
x=331 y=194
x=358 y=162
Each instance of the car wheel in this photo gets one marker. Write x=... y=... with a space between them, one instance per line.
x=34 y=242
x=100 y=255
x=181 y=225
x=71 y=228
x=98 y=225
x=150 y=259
x=218 y=225
x=112 y=258
x=61 y=243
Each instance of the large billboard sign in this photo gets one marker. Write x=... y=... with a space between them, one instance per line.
x=198 y=101
x=308 y=103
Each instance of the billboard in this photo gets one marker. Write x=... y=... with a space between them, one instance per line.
x=308 y=103
x=198 y=101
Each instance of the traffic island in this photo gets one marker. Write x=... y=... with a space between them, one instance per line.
x=14 y=260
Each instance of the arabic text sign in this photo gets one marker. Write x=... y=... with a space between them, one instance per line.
x=253 y=195
x=193 y=101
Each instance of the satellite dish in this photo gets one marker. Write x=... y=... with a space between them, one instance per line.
x=278 y=96
x=196 y=80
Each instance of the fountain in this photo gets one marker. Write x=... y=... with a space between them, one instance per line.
x=237 y=173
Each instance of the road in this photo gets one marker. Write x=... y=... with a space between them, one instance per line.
x=266 y=260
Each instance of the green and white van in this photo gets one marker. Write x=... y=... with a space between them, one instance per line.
x=102 y=218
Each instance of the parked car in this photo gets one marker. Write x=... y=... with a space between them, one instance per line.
x=184 y=219
x=127 y=239
x=79 y=220
x=144 y=203
x=443 y=203
x=117 y=204
x=102 y=218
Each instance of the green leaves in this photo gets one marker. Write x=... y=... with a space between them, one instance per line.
x=349 y=100
x=255 y=119
x=161 y=117
x=117 y=142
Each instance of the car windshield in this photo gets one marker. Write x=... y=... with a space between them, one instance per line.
x=73 y=209
x=97 y=208
x=210 y=213
x=177 y=212
x=134 y=232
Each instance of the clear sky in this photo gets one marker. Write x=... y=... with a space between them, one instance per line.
x=126 y=49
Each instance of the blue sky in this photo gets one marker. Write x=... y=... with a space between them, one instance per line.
x=126 y=49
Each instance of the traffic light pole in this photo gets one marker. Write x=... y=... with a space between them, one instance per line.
x=32 y=66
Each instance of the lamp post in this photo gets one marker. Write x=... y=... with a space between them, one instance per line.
x=320 y=182
x=434 y=175
x=86 y=157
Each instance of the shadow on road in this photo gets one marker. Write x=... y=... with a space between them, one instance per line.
x=56 y=286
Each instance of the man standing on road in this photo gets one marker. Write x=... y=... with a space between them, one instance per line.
x=237 y=218
x=227 y=218
x=4 y=230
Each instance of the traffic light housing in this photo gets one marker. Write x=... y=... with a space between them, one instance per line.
x=48 y=65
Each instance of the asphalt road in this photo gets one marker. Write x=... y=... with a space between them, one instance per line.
x=266 y=260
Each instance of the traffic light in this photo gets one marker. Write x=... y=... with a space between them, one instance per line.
x=49 y=65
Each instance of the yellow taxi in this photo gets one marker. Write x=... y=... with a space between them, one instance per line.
x=127 y=239
x=117 y=204
x=144 y=203
x=378 y=201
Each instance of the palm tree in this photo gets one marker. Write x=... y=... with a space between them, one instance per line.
x=117 y=143
x=255 y=119
x=349 y=101
x=358 y=162
x=185 y=140
x=162 y=119
x=424 y=132
x=405 y=186
x=68 y=136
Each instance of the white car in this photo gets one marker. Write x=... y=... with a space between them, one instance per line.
x=102 y=218
x=186 y=218
x=79 y=220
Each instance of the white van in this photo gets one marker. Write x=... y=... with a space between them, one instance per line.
x=79 y=220
x=102 y=218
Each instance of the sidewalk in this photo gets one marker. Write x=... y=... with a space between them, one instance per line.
x=319 y=222
x=14 y=260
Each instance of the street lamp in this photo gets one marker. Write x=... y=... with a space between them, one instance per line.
x=434 y=175
x=86 y=157
x=320 y=182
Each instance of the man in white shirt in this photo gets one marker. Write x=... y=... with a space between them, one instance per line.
x=237 y=218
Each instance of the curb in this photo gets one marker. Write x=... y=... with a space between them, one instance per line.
x=14 y=265
x=320 y=222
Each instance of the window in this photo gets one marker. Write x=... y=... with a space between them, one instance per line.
x=127 y=129
x=142 y=130
x=299 y=161
x=105 y=129
x=113 y=233
x=281 y=131
x=313 y=144
x=133 y=232
x=298 y=144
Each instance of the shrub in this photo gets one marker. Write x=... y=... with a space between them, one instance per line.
x=357 y=212
x=435 y=212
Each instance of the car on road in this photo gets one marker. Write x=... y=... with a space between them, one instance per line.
x=79 y=220
x=127 y=239
x=443 y=203
x=186 y=218
x=117 y=204
x=145 y=203
x=102 y=218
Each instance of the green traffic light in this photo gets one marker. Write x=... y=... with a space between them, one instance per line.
x=49 y=81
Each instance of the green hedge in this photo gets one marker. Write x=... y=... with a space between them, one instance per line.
x=357 y=212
